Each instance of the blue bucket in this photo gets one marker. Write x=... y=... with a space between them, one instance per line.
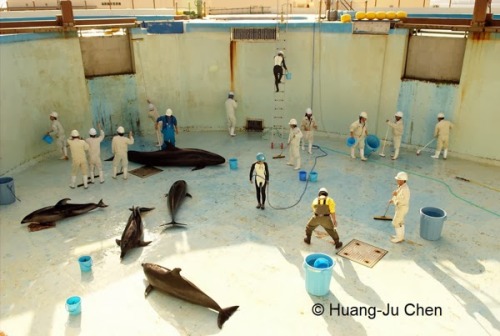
x=350 y=142
x=302 y=175
x=313 y=176
x=372 y=143
x=288 y=76
x=319 y=269
x=7 y=191
x=74 y=305
x=431 y=222
x=85 y=263
x=233 y=164
x=48 y=139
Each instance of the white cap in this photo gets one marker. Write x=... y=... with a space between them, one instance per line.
x=54 y=114
x=440 y=115
x=151 y=107
x=401 y=176
x=399 y=114
x=231 y=93
x=120 y=130
x=92 y=131
x=293 y=122
x=309 y=111
x=363 y=115
x=75 y=134
x=168 y=112
x=323 y=192
x=280 y=52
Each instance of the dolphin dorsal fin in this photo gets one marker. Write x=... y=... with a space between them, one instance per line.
x=177 y=271
x=62 y=202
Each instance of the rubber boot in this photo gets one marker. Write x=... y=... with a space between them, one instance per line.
x=310 y=148
x=436 y=155
x=92 y=176
x=396 y=153
x=101 y=176
x=73 y=182
x=362 y=154
x=307 y=239
x=352 y=153
x=400 y=235
x=125 y=172
x=85 y=178
x=232 y=132
x=338 y=244
x=297 y=166
x=445 y=154
x=114 y=172
x=65 y=151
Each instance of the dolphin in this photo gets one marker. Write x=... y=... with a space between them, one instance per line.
x=133 y=235
x=177 y=157
x=176 y=196
x=47 y=217
x=173 y=283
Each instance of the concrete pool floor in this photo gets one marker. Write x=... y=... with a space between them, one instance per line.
x=243 y=256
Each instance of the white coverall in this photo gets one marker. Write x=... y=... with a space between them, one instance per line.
x=397 y=133
x=153 y=115
x=359 y=132
x=294 y=147
x=78 y=147
x=308 y=125
x=231 y=106
x=95 y=156
x=402 y=204
x=58 y=131
x=119 y=147
x=442 y=132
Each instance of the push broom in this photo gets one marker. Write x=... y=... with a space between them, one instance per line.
x=280 y=155
x=384 y=217
x=421 y=149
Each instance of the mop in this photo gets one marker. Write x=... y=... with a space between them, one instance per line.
x=421 y=149
x=385 y=141
x=384 y=217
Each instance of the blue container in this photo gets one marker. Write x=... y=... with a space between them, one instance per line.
x=85 y=263
x=233 y=163
x=7 y=191
x=350 y=142
x=372 y=143
x=318 y=278
x=302 y=175
x=431 y=222
x=48 y=139
x=288 y=76
x=74 y=305
x=313 y=176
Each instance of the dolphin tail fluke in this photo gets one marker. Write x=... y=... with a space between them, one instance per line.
x=225 y=314
x=174 y=223
x=101 y=204
x=144 y=243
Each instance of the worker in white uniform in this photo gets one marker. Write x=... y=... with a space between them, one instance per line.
x=294 y=144
x=279 y=64
x=442 y=133
x=94 y=142
x=260 y=171
x=308 y=125
x=359 y=131
x=397 y=132
x=78 y=148
x=401 y=200
x=323 y=208
x=231 y=106
x=58 y=131
x=153 y=115
x=119 y=147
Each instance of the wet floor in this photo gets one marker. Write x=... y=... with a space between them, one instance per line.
x=243 y=256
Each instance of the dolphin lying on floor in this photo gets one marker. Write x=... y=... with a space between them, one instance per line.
x=133 y=235
x=176 y=196
x=177 y=157
x=47 y=217
x=173 y=283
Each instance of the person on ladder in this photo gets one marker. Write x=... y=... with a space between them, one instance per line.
x=397 y=132
x=279 y=64
x=308 y=125
x=401 y=200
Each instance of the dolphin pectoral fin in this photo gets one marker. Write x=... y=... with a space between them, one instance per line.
x=197 y=168
x=145 y=209
x=225 y=314
x=189 y=195
x=40 y=226
x=118 y=242
x=143 y=243
x=148 y=290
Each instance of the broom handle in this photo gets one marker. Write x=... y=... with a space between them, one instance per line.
x=385 y=139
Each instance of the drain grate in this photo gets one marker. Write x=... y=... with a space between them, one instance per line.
x=362 y=253
x=145 y=171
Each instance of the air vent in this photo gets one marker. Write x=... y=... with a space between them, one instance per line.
x=254 y=34
x=255 y=125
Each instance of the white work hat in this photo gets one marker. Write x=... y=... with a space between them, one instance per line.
x=120 y=130
x=323 y=191
x=280 y=52
x=440 y=115
x=399 y=114
x=401 y=176
x=363 y=115
x=309 y=111
x=293 y=122
x=92 y=131
x=151 y=107
x=75 y=134
x=54 y=114
x=231 y=94
x=168 y=113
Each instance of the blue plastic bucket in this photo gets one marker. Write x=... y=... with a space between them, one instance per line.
x=48 y=139
x=372 y=143
x=313 y=176
x=431 y=222
x=85 y=263
x=74 y=305
x=318 y=278
x=233 y=164
x=350 y=141
x=302 y=175
x=288 y=75
x=7 y=191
